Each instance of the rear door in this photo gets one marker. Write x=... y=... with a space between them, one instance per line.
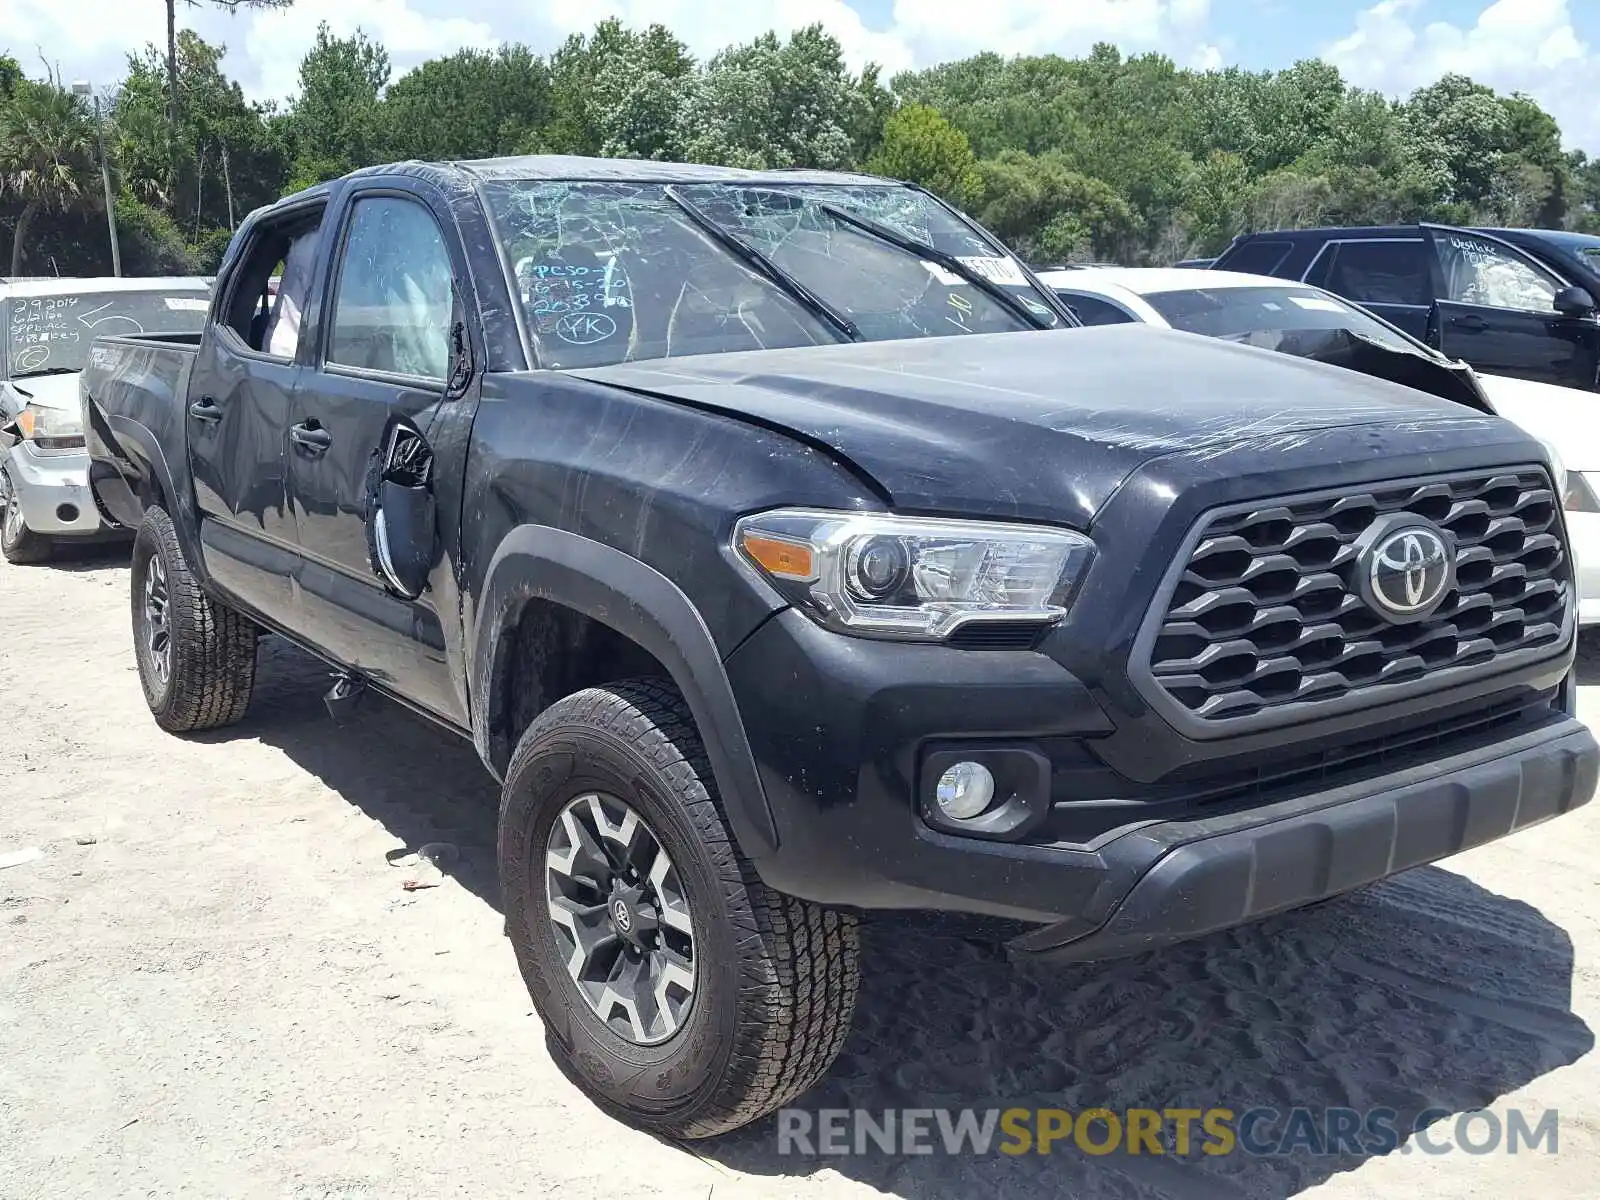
x=237 y=409
x=376 y=392
x=1391 y=276
x=1496 y=310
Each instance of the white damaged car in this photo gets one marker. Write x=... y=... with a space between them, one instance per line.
x=46 y=328
x=1274 y=314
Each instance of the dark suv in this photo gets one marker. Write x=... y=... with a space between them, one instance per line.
x=1517 y=302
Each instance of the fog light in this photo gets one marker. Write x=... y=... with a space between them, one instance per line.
x=965 y=790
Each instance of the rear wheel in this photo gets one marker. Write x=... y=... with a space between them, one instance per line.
x=196 y=656
x=18 y=543
x=677 y=989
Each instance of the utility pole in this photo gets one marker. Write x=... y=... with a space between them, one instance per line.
x=227 y=182
x=82 y=88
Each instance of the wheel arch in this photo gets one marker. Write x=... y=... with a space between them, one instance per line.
x=540 y=565
x=129 y=472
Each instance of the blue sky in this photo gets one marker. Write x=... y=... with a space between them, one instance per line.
x=1547 y=48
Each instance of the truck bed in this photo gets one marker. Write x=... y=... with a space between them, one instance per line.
x=134 y=391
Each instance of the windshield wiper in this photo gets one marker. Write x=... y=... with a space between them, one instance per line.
x=949 y=262
x=45 y=371
x=763 y=265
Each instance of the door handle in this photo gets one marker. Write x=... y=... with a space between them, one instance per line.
x=1471 y=322
x=206 y=409
x=313 y=439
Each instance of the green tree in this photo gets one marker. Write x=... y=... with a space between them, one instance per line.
x=46 y=155
x=921 y=146
x=335 y=122
x=471 y=104
x=770 y=103
x=613 y=71
x=1048 y=212
x=225 y=158
x=173 y=92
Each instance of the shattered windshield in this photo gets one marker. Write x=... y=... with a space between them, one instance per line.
x=619 y=272
x=53 y=332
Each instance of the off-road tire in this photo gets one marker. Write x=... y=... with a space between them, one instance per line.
x=212 y=647
x=19 y=544
x=776 y=977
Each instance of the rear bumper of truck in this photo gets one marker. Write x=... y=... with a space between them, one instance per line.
x=1191 y=878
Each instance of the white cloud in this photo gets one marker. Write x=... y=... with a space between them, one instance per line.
x=277 y=39
x=265 y=48
x=1529 y=46
x=940 y=29
x=708 y=27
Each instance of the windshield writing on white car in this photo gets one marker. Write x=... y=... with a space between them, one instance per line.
x=53 y=333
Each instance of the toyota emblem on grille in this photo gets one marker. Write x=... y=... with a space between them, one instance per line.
x=1406 y=570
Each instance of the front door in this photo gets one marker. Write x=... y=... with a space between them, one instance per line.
x=362 y=418
x=241 y=393
x=1495 y=309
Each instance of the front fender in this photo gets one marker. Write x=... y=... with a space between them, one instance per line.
x=536 y=562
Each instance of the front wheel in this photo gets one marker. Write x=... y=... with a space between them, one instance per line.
x=196 y=656
x=677 y=989
x=18 y=543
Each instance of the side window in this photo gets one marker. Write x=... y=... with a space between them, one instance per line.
x=1259 y=257
x=271 y=284
x=1091 y=310
x=392 y=307
x=1477 y=271
x=1381 y=272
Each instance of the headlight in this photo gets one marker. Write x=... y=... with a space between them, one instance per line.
x=1558 y=464
x=914 y=577
x=1580 y=495
x=51 y=428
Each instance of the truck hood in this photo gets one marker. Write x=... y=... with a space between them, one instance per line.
x=1040 y=426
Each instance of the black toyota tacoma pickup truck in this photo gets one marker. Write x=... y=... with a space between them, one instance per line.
x=786 y=556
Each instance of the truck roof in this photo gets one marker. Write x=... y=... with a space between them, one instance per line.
x=577 y=169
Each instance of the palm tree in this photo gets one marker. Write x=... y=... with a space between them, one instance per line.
x=46 y=154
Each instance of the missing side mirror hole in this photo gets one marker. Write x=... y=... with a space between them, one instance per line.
x=402 y=530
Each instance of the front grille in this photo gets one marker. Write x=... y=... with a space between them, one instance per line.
x=1266 y=613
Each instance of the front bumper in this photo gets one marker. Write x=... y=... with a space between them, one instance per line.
x=52 y=490
x=1194 y=878
x=842 y=730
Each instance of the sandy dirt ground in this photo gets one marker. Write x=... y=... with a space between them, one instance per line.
x=213 y=984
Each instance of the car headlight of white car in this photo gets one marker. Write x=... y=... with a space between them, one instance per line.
x=1579 y=494
x=50 y=429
